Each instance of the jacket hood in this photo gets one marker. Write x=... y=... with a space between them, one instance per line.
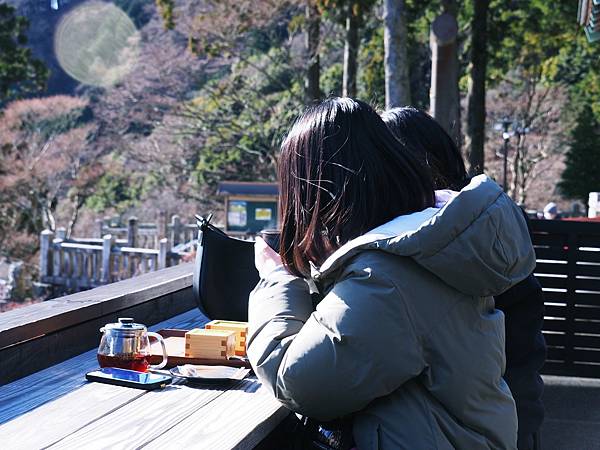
x=478 y=242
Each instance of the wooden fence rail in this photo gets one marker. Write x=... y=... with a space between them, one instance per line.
x=78 y=265
x=568 y=268
x=148 y=235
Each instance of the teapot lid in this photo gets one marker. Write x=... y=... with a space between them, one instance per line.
x=125 y=324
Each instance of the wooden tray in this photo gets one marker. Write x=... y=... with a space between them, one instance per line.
x=175 y=342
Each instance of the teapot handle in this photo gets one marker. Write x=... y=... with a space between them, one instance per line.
x=164 y=349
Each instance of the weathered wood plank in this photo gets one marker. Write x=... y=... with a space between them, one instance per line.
x=79 y=246
x=553 y=268
x=57 y=419
x=564 y=226
x=142 y=420
x=555 y=254
x=137 y=251
x=27 y=393
x=552 y=240
x=240 y=418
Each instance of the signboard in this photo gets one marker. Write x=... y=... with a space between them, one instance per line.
x=251 y=216
x=237 y=216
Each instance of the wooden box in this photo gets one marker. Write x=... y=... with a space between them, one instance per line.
x=212 y=344
x=175 y=342
x=240 y=329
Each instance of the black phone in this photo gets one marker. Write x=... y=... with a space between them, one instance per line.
x=129 y=378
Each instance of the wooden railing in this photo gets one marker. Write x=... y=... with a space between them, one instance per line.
x=148 y=235
x=84 y=264
x=568 y=268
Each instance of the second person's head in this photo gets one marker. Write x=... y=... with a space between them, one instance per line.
x=420 y=132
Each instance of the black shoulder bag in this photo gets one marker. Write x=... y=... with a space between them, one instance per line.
x=224 y=273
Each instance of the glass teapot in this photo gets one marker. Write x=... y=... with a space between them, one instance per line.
x=126 y=344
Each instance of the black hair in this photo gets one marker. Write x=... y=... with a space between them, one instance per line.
x=341 y=174
x=422 y=133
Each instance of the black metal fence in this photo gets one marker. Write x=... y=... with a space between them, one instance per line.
x=568 y=267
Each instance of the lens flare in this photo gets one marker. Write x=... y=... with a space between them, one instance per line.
x=97 y=44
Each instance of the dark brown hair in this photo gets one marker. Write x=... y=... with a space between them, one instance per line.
x=341 y=174
x=423 y=134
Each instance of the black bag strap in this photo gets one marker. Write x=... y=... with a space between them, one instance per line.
x=204 y=224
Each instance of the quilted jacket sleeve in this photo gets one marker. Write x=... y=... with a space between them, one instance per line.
x=358 y=345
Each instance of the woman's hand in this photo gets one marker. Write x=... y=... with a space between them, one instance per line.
x=265 y=258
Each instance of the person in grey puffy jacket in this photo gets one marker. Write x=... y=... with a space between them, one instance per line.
x=522 y=304
x=406 y=341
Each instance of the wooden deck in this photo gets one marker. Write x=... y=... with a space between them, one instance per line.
x=57 y=408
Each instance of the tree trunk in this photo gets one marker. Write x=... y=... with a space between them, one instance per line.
x=77 y=202
x=312 y=91
x=476 y=95
x=444 y=99
x=350 y=54
x=395 y=38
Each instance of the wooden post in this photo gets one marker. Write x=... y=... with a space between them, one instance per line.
x=61 y=233
x=132 y=228
x=162 y=225
x=100 y=228
x=57 y=253
x=162 y=253
x=593 y=200
x=107 y=243
x=175 y=230
x=444 y=98
x=45 y=254
x=95 y=270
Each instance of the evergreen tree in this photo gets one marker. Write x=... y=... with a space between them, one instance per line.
x=20 y=72
x=582 y=173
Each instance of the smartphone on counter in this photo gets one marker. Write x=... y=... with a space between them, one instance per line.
x=129 y=378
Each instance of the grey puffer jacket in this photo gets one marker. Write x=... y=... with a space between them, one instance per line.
x=406 y=339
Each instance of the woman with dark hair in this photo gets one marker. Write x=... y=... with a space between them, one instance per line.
x=405 y=342
x=427 y=137
x=522 y=305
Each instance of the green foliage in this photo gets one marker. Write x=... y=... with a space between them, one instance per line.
x=20 y=73
x=371 y=77
x=582 y=173
x=331 y=80
x=116 y=190
x=166 y=9
x=337 y=10
x=527 y=33
x=577 y=66
x=243 y=117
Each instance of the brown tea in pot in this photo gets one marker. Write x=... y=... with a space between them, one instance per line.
x=126 y=345
x=134 y=362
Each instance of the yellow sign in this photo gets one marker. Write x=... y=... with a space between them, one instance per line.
x=263 y=214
